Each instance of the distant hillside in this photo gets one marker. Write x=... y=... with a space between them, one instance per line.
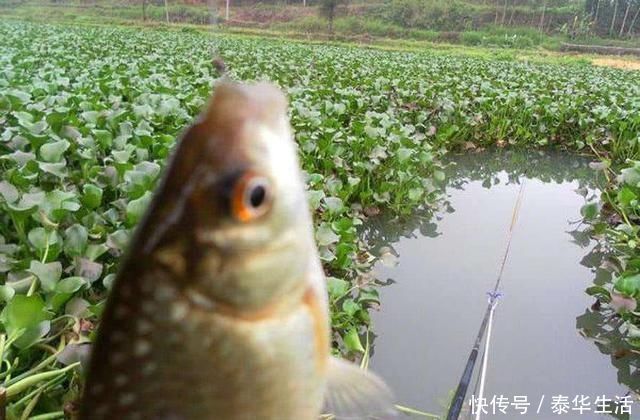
x=493 y=23
x=454 y=15
x=614 y=18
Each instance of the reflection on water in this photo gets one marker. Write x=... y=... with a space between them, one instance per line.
x=601 y=325
x=431 y=313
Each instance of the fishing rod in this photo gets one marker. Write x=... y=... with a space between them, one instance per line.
x=487 y=321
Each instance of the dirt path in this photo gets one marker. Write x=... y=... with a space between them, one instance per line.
x=619 y=63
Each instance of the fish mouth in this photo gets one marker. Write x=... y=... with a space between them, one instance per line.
x=278 y=307
x=235 y=238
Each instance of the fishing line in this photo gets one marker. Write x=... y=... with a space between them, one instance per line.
x=514 y=219
x=487 y=321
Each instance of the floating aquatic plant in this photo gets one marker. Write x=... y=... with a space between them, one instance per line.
x=89 y=115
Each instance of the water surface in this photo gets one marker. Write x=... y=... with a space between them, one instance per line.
x=431 y=313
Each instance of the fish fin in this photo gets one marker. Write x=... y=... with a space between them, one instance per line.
x=353 y=393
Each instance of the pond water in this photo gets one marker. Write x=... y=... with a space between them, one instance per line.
x=434 y=305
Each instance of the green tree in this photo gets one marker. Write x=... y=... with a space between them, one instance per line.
x=614 y=15
x=634 y=20
x=328 y=9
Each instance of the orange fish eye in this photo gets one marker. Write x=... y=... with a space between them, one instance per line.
x=251 y=197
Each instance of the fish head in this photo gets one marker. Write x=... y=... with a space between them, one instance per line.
x=233 y=203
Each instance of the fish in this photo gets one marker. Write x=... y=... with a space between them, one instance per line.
x=219 y=309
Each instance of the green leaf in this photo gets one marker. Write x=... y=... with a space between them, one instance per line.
x=52 y=152
x=108 y=280
x=24 y=118
x=91 y=196
x=77 y=307
x=631 y=176
x=334 y=204
x=439 y=176
x=38 y=127
x=75 y=241
x=88 y=269
x=369 y=296
x=589 y=211
x=315 y=196
x=58 y=204
x=121 y=156
x=9 y=192
x=415 y=194
x=57 y=169
x=33 y=334
x=142 y=111
x=136 y=208
x=104 y=138
x=141 y=179
x=325 y=235
x=58 y=300
x=28 y=202
x=626 y=196
x=6 y=262
x=352 y=341
x=39 y=238
x=19 y=157
x=6 y=293
x=94 y=251
x=48 y=274
x=90 y=116
x=71 y=284
x=628 y=285
x=118 y=240
x=23 y=312
x=337 y=287
x=404 y=154
x=350 y=307
x=19 y=96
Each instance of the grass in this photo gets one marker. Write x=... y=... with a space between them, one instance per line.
x=90 y=114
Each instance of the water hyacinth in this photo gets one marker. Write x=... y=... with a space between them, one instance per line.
x=89 y=116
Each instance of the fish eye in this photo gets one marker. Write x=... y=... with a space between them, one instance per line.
x=257 y=196
x=251 y=197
